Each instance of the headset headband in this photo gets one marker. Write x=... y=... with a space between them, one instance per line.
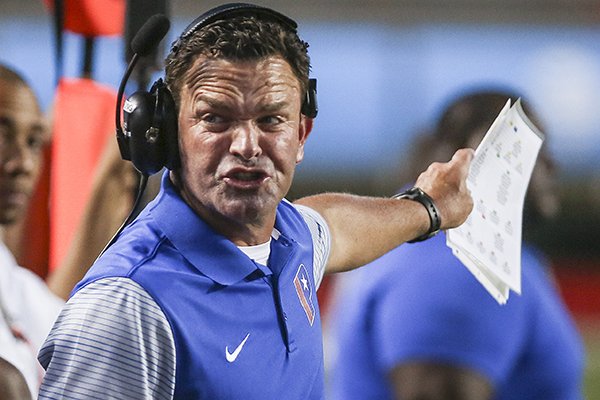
x=231 y=10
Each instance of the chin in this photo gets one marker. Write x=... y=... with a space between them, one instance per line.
x=249 y=208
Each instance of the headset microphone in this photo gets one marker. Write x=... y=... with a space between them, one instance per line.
x=134 y=147
x=144 y=41
x=150 y=35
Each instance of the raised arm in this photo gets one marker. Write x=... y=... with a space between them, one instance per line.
x=365 y=228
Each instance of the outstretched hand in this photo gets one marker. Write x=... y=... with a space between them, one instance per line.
x=446 y=184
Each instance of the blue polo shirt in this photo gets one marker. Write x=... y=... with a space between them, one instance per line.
x=174 y=310
x=418 y=303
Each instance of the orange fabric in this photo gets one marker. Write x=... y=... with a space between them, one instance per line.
x=35 y=232
x=83 y=120
x=93 y=17
x=579 y=282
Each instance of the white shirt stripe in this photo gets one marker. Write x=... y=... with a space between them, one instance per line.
x=321 y=237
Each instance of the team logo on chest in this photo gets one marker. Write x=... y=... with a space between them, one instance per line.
x=304 y=290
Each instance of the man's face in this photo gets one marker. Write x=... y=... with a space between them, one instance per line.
x=22 y=137
x=241 y=135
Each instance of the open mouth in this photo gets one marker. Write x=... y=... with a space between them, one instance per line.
x=245 y=179
x=248 y=176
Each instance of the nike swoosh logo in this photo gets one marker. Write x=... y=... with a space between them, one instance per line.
x=231 y=357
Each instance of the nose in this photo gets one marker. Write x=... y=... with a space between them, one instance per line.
x=18 y=158
x=245 y=141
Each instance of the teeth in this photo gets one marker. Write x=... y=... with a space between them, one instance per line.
x=246 y=176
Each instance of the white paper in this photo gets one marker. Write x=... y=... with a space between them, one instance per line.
x=489 y=242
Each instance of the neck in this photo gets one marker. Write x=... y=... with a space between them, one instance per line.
x=240 y=233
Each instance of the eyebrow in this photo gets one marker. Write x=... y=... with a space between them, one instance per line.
x=37 y=127
x=274 y=106
x=212 y=102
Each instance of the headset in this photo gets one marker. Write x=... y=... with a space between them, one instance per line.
x=148 y=137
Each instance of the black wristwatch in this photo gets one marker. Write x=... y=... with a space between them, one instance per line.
x=435 y=221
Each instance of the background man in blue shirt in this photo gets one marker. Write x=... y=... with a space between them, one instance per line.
x=211 y=292
x=415 y=324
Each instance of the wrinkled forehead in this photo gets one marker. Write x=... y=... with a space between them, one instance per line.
x=19 y=107
x=266 y=72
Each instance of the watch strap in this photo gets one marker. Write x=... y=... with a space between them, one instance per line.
x=435 y=220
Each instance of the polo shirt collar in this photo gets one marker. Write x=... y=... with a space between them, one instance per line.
x=210 y=252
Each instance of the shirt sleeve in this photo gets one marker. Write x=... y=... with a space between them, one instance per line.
x=111 y=341
x=321 y=237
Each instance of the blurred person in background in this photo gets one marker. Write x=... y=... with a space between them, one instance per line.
x=28 y=306
x=417 y=325
x=12 y=383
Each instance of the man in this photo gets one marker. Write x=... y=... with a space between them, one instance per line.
x=211 y=292
x=433 y=332
x=28 y=307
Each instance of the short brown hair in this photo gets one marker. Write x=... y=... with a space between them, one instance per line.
x=239 y=38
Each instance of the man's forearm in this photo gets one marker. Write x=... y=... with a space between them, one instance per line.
x=365 y=228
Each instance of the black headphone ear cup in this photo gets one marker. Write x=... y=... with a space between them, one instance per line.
x=144 y=138
x=169 y=123
x=309 y=105
x=150 y=124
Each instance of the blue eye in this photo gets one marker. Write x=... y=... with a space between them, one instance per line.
x=215 y=122
x=213 y=119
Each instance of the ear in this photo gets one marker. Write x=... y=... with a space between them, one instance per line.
x=306 y=125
